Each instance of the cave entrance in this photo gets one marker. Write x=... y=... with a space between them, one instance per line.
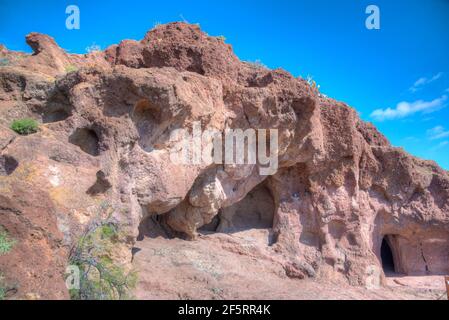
x=87 y=140
x=55 y=116
x=255 y=211
x=386 y=255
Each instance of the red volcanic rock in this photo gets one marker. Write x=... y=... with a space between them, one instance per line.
x=341 y=198
x=35 y=267
x=41 y=43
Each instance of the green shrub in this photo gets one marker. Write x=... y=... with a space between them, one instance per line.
x=6 y=243
x=25 y=126
x=100 y=277
x=4 y=62
x=70 y=68
x=108 y=231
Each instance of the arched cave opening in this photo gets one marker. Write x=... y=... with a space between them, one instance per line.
x=87 y=140
x=255 y=211
x=386 y=255
x=55 y=115
x=57 y=108
x=152 y=227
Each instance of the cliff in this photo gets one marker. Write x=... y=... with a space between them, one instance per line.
x=106 y=119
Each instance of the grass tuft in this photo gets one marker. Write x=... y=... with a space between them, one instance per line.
x=25 y=126
x=6 y=243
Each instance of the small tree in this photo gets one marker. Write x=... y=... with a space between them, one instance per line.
x=100 y=277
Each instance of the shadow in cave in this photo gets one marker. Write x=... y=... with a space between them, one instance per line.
x=255 y=211
x=386 y=255
x=151 y=227
x=87 y=140
x=7 y=165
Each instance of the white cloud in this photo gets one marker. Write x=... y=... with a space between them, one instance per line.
x=421 y=82
x=404 y=109
x=442 y=144
x=437 y=132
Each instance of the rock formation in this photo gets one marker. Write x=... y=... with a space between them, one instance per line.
x=106 y=118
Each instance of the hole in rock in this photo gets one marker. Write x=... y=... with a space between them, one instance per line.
x=7 y=165
x=196 y=62
x=55 y=116
x=57 y=108
x=86 y=139
x=386 y=255
x=153 y=226
x=100 y=186
x=310 y=238
x=146 y=116
x=211 y=226
x=254 y=211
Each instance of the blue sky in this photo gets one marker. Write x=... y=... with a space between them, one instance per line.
x=396 y=77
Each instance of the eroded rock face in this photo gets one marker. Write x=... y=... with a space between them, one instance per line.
x=340 y=189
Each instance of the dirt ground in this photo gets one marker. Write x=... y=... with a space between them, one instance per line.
x=222 y=266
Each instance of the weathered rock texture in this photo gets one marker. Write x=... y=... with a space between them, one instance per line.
x=106 y=121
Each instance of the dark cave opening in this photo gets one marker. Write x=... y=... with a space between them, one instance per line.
x=55 y=116
x=87 y=140
x=386 y=255
x=153 y=226
x=255 y=211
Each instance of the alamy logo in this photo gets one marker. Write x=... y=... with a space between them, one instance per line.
x=373 y=20
x=73 y=20
x=250 y=146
